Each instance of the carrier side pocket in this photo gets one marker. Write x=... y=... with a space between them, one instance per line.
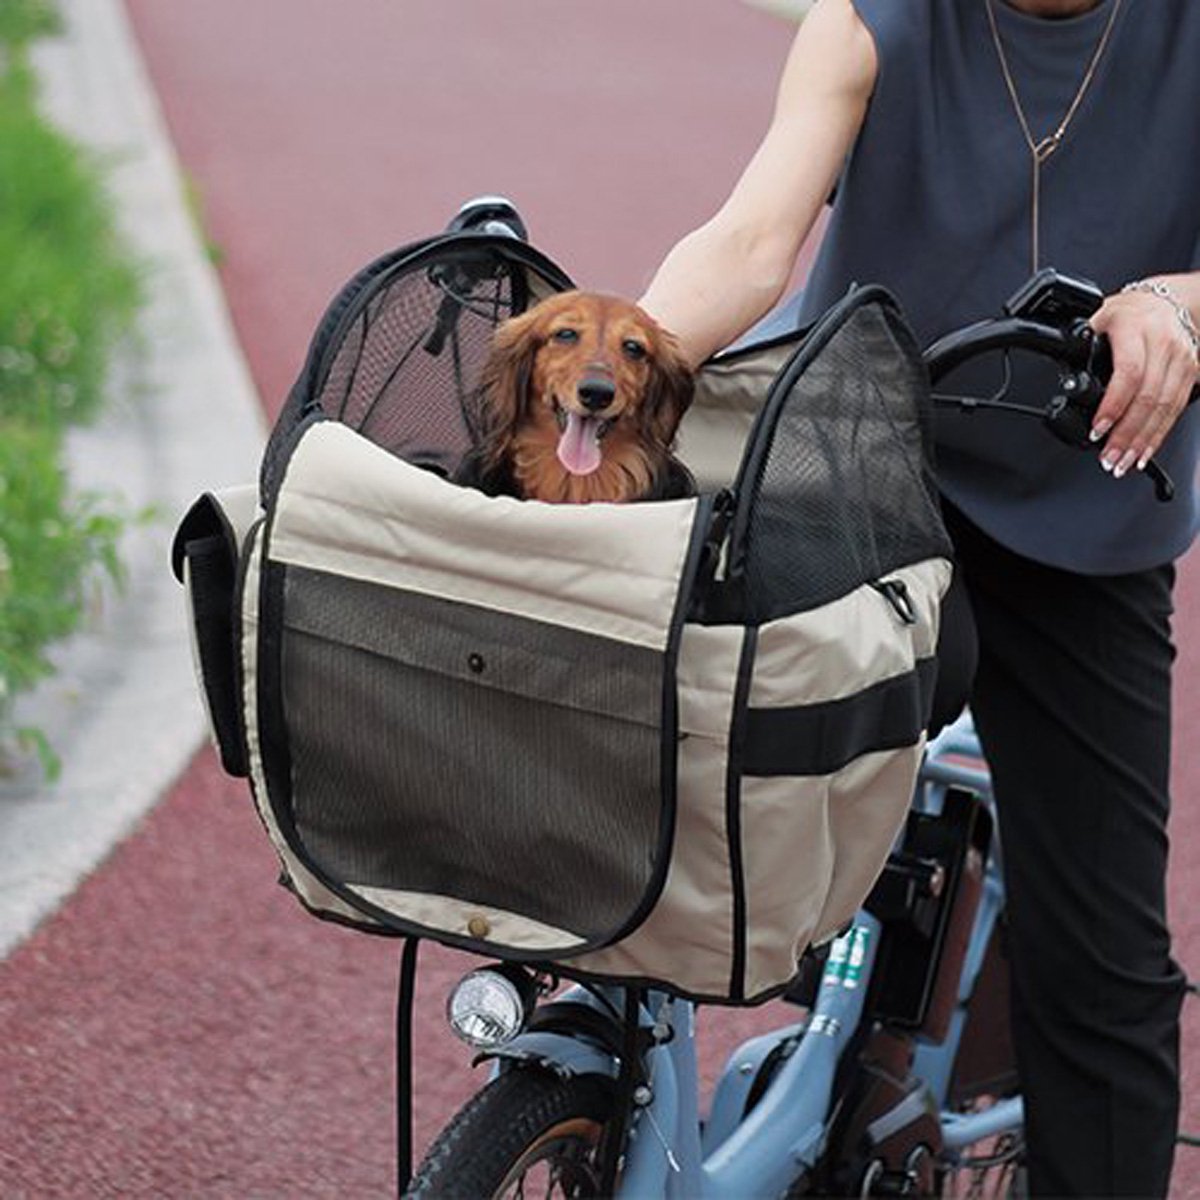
x=205 y=556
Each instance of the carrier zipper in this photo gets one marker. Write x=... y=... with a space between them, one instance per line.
x=724 y=504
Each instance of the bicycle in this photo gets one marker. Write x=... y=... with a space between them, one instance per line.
x=898 y=1079
x=337 y=632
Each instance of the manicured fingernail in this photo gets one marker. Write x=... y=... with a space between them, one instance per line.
x=1144 y=461
x=1127 y=461
x=1100 y=429
x=1109 y=460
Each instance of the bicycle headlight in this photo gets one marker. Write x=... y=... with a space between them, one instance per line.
x=490 y=1006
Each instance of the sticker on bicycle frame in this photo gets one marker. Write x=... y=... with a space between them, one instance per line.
x=847 y=955
x=860 y=935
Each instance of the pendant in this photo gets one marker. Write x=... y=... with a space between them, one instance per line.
x=1047 y=147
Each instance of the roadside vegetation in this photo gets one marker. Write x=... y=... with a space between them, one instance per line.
x=68 y=293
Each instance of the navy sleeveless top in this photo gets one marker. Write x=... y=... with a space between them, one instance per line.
x=935 y=203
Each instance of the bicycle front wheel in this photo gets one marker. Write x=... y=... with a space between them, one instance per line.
x=528 y=1133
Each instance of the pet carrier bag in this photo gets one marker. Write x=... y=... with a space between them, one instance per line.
x=668 y=742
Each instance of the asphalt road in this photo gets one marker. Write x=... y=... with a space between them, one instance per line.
x=180 y=1028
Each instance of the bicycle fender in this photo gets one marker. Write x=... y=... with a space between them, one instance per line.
x=564 y=1055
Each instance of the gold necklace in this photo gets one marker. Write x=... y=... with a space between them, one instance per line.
x=1040 y=151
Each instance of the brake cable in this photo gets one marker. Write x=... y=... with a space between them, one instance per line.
x=1068 y=414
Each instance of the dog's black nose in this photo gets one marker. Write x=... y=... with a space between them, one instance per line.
x=596 y=394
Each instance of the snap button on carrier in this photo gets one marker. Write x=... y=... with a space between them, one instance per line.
x=476 y=663
x=479 y=927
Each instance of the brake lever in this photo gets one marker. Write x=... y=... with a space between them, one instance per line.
x=1069 y=417
x=1164 y=485
x=1101 y=365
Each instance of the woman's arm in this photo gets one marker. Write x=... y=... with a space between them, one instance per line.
x=1155 y=365
x=722 y=277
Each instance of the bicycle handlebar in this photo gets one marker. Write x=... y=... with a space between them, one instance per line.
x=1047 y=316
x=1075 y=347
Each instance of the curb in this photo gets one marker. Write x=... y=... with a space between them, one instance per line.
x=123 y=711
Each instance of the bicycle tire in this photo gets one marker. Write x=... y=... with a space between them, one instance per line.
x=524 y=1120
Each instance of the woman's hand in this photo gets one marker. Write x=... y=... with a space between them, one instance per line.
x=1154 y=370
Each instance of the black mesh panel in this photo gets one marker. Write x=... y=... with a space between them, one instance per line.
x=409 y=363
x=447 y=750
x=843 y=495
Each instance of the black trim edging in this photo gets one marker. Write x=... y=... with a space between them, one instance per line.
x=734 y=770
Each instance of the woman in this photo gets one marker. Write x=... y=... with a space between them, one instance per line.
x=969 y=142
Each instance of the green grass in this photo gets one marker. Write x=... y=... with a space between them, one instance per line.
x=23 y=20
x=52 y=540
x=68 y=294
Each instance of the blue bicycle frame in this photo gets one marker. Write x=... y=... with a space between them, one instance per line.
x=671 y=1153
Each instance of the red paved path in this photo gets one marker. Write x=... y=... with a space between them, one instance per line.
x=180 y=1028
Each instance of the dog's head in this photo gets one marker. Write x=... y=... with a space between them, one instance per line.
x=582 y=396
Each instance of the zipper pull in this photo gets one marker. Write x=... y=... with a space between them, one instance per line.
x=705 y=589
x=724 y=504
x=895 y=592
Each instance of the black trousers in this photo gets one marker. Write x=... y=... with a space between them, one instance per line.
x=1072 y=702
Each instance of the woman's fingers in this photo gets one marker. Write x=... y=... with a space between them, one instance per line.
x=1154 y=367
x=1177 y=388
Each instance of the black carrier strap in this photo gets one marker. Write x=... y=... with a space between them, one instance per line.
x=206 y=553
x=628 y=1080
x=404 y=1072
x=212 y=572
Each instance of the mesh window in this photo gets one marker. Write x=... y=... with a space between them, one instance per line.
x=843 y=495
x=452 y=751
x=410 y=361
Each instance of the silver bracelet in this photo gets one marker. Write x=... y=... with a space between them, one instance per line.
x=1156 y=287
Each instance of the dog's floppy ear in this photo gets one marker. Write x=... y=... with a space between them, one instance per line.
x=504 y=385
x=672 y=385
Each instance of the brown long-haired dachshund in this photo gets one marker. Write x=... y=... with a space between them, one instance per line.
x=580 y=400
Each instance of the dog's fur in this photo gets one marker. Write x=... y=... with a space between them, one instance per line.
x=580 y=400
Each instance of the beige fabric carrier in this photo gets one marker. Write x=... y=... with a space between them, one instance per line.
x=669 y=742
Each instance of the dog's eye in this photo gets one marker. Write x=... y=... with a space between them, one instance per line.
x=566 y=335
x=634 y=350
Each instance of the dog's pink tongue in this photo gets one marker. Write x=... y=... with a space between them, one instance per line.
x=579 y=448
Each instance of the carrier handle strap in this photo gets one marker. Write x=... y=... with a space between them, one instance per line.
x=628 y=1078
x=404 y=1074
